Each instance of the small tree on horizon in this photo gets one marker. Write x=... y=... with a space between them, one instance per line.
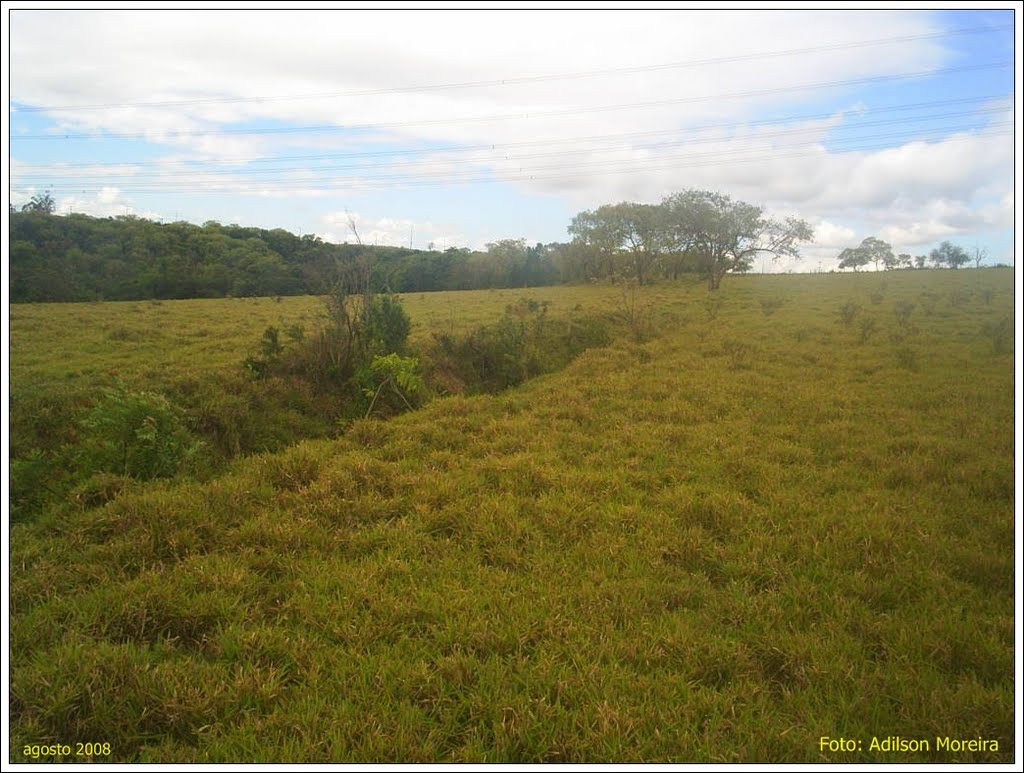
x=42 y=203
x=949 y=254
x=980 y=253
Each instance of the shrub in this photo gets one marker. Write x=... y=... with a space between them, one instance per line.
x=740 y=353
x=848 y=312
x=1001 y=335
x=907 y=358
x=521 y=345
x=136 y=434
x=400 y=376
x=867 y=328
x=32 y=485
x=387 y=325
x=902 y=310
x=354 y=328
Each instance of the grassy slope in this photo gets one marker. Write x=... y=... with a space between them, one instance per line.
x=722 y=544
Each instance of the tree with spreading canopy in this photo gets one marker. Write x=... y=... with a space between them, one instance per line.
x=726 y=235
x=853 y=257
x=871 y=250
x=634 y=230
x=878 y=251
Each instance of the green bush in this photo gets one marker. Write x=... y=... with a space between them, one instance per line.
x=387 y=325
x=353 y=330
x=136 y=434
x=389 y=377
x=1001 y=334
x=521 y=345
x=32 y=484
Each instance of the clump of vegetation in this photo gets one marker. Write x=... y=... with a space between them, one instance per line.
x=400 y=376
x=907 y=358
x=902 y=311
x=740 y=353
x=135 y=434
x=866 y=329
x=712 y=306
x=770 y=305
x=1000 y=333
x=361 y=336
x=848 y=313
x=522 y=344
x=634 y=310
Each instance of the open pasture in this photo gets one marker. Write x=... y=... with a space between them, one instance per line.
x=777 y=513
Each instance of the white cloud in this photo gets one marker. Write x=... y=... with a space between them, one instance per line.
x=108 y=202
x=916 y=190
x=395 y=232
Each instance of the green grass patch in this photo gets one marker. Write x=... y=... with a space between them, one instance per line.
x=673 y=549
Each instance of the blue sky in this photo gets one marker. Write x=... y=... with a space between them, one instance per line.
x=460 y=128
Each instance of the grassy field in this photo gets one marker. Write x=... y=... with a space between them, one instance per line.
x=64 y=355
x=783 y=514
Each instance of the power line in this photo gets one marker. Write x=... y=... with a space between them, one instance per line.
x=539 y=114
x=716 y=158
x=782 y=133
x=527 y=143
x=529 y=78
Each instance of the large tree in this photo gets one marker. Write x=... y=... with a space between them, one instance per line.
x=635 y=231
x=726 y=235
x=596 y=235
x=853 y=257
x=878 y=251
x=871 y=250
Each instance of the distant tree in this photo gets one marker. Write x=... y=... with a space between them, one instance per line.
x=920 y=261
x=726 y=235
x=853 y=257
x=41 y=203
x=980 y=253
x=506 y=259
x=948 y=254
x=877 y=251
x=903 y=260
x=634 y=231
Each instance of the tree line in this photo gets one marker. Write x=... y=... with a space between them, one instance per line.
x=880 y=253
x=77 y=257
x=81 y=258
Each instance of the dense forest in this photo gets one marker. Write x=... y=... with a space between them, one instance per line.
x=82 y=258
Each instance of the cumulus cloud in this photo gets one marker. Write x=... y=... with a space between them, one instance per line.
x=107 y=202
x=660 y=101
